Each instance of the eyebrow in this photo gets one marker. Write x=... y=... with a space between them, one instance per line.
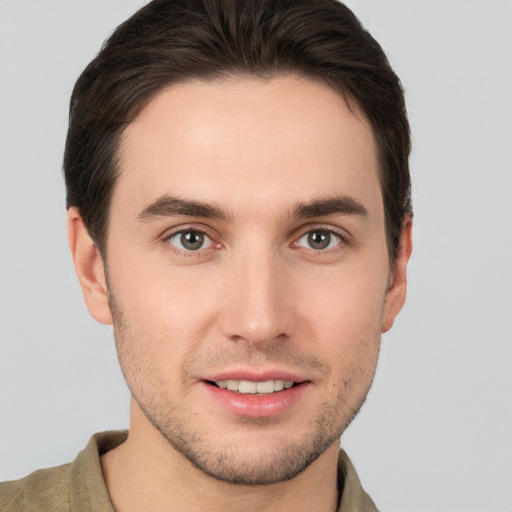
x=330 y=206
x=168 y=206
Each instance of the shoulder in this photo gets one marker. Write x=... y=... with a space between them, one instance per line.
x=42 y=490
x=78 y=485
x=353 y=496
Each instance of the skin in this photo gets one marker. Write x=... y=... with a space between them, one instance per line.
x=255 y=297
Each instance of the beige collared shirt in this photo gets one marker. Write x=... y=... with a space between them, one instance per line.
x=79 y=486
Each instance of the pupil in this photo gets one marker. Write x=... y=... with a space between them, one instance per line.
x=192 y=240
x=319 y=239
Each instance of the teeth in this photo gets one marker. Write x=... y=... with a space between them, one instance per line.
x=279 y=385
x=265 y=387
x=261 y=388
x=232 y=385
x=247 y=387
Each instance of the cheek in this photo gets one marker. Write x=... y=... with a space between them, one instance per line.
x=345 y=316
x=169 y=310
x=347 y=300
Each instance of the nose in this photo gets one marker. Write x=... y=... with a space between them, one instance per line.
x=258 y=309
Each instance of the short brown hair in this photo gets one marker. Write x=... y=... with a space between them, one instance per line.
x=170 y=41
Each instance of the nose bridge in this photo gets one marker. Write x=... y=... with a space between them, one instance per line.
x=256 y=310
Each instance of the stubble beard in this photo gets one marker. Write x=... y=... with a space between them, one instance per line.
x=231 y=464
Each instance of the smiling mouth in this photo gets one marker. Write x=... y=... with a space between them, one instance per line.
x=266 y=387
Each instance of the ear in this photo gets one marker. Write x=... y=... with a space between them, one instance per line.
x=89 y=268
x=395 y=296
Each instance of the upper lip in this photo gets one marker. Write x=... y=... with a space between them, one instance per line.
x=255 y=375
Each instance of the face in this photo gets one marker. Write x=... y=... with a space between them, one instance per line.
x=248 y=276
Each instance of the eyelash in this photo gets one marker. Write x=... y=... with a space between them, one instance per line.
x=190 y=253
x=343 y=241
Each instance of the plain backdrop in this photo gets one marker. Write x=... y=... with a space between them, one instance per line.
x=436 y=431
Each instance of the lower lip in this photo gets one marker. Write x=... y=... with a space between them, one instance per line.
x=257 y=406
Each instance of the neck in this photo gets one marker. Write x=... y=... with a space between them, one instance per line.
x=147 y=473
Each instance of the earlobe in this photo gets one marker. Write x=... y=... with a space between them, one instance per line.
x=395 y=296
x=88 y=267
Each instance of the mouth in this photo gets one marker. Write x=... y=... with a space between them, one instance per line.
x=261 y=388
x=257 y=399
x=258 y=394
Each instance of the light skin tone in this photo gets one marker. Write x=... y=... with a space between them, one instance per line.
x=246 y=242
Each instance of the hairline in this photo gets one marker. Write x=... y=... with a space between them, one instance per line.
x=234 y=75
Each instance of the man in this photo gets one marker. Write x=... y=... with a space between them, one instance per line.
x=239 y=210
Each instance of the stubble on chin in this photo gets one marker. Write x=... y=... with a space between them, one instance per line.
x=189 y=435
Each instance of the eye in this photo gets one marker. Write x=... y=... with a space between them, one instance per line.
x=319 y=239
x=190 y=240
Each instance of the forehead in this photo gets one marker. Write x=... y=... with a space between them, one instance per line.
x=248 y=141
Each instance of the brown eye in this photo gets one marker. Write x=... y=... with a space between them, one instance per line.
x=319 y=240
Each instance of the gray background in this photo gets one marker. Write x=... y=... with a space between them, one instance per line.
x=436 y=431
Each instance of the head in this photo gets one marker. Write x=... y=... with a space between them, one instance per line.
x=238 y=196
x=168 y=42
